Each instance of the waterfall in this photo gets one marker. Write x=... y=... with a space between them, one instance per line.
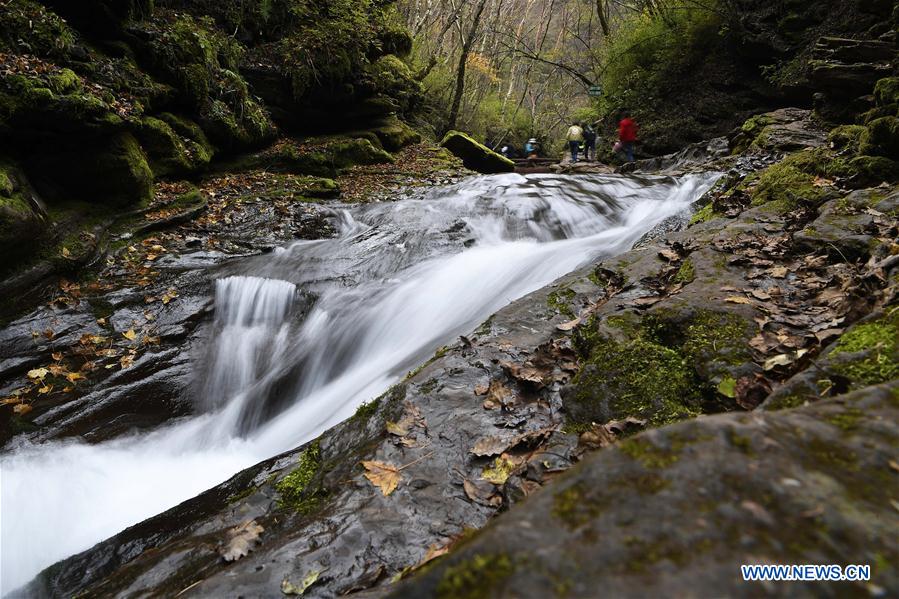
x=400 y=280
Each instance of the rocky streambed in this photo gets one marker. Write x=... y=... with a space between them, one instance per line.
x=757 y=345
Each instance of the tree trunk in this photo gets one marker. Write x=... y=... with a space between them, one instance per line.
x=603 y=17
x=460 y=71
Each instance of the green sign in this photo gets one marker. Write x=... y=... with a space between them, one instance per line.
x=595 y=91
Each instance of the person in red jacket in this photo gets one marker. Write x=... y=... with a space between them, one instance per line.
x=627 y=134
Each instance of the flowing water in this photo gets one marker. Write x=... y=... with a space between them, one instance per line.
x=303 y=336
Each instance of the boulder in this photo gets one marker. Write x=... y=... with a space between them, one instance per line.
x=22 y=219
x=476 y=156
x=679 y=509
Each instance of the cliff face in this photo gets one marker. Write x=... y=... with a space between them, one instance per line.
x=98 y=99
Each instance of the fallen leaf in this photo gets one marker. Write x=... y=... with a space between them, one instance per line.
x=481 y=389
x=382 y=475
x=669 y=255
x=38 y=373
x=129 y=334
x=299 y=589
x=490 y=446
x=399 y=429
x=571 y=324
x=778 y=272
x=736 y=299
x=728 y=387
x=45 y=389
x=498 y=393
x=66 y=253
x=21 y=408
x=482 y=492
x=783 y=359
x=524 y=373
x=74 y=376
x=243 y=540
x=760 y=295
x=57 y=356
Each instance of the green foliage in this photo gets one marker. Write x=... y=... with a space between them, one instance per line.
x=649 y=53
x=28 y=27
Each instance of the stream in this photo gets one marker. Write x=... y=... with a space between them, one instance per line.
x=302 y=336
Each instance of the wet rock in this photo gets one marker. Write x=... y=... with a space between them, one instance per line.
x=681 y=508
x=476 y=156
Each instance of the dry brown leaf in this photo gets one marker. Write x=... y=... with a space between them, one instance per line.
x=760 y=295
x=382 y=475
x=736 y=299
x=400 y=429
x=490 y=446
x=74 y=376
x=57 y=356
x=243 y=540
x=571 y=324
x=481 y=389
x=778 y=272
x=45 y=389
x=21 y=408
x=669 y=255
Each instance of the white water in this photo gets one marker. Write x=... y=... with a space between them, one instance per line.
x=400 y=280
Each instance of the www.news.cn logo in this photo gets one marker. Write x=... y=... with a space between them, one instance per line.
x=806 y=572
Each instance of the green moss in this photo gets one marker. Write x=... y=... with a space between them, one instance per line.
x=560 y=301
x=649 y=454
x=847 y=419
x=886 y=91
x=295 y=489
x=686 y=273
x=442 y=351
x=479 y=577
x=704 y=214
x=65 y=81
x=881 y=138
x=877 y=342
x=366 y=410
x=744 y=444
x=846 y=137
x=637 y=378
x=577 y=505
x=716 y=335
x=875 y=169
x=475 y=155
x=28 y=27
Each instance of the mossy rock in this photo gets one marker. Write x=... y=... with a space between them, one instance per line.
x=476 y=156
x=391 y=77
x=168 y=154
x=28 y=27
x=846 y=137
x=20 y=223
x=358 y=151
x=872 y=170
x=192 y=136
x=637 y=378
x=881 y=138
x=886 y=91
x=868 y=353
x=394 y=134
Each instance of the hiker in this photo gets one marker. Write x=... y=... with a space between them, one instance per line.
x=532 y=148
x=575 y=136
x=627 y=135
x=589 y=143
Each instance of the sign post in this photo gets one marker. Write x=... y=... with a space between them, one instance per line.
x=594 y=91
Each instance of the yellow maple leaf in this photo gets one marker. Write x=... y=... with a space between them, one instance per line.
x=382 y=475
x=129 y=335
